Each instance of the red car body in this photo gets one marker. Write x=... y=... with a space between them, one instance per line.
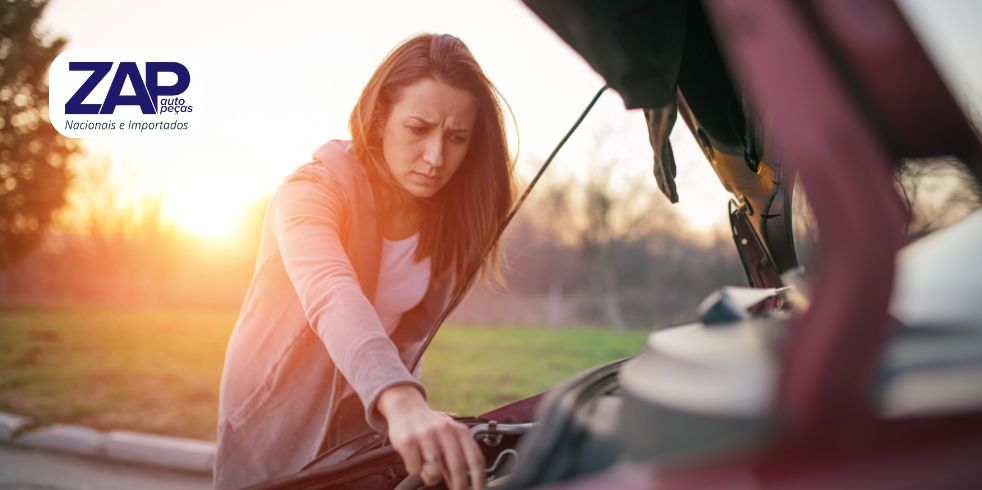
x=846 y=88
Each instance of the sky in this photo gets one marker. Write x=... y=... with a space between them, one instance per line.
x=280 y=79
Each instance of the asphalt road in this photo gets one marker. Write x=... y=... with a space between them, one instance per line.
x=27 y=469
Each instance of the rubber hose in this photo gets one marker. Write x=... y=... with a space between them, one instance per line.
x=411 y=482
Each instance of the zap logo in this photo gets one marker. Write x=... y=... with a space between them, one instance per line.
x=124 y=93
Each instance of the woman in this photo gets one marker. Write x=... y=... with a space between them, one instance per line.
x=360 y=252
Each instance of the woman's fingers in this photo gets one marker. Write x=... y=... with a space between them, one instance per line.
x=475 y=460
x=462 y=457
x=433 y=461
x=455 y=467
x=430 y=443
x=411 y=456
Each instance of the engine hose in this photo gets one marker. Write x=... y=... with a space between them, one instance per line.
x=411 y=482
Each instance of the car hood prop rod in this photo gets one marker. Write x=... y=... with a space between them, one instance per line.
x=458 y=296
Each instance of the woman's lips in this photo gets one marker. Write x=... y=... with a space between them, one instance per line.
x=426 y=179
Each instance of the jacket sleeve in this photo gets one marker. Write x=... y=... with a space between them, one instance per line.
x=309 y=211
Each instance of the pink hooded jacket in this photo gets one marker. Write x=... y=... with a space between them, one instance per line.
x=308 y=325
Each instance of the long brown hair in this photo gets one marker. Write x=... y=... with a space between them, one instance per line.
x=462 y=218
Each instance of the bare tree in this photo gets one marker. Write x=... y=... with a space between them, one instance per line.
x=126 y=239
x=615 y=204
x=32 y=153
x=112 y=244
x=936 y=192
x=939 y=191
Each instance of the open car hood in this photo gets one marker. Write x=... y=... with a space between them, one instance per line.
x=665 y=55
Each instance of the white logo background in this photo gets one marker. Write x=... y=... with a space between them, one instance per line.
x=126 y=121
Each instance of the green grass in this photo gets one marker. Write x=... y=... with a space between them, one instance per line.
x=158 y=370
x=149 y=370
x=469 y=370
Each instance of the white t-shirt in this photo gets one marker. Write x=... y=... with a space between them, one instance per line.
x=402 y=283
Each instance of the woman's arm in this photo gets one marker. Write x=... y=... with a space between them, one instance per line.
x=309 y=210
x=421 y=435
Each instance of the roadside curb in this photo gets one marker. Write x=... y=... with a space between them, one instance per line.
x=10 y=425
x=174 y=453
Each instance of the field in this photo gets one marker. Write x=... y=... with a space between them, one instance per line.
x=158 y=370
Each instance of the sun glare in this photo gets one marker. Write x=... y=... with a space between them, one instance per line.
x=212 y=213
x=210 y=223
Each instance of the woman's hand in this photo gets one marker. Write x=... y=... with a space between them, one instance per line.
x=430 y=443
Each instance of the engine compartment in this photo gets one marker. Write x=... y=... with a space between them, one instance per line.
x=707 y=389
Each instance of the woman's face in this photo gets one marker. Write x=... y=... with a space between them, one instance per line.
x=427 y=135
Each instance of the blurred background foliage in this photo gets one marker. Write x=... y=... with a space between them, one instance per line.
x=33 y=175
x=606 y=249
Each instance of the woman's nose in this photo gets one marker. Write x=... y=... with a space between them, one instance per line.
x=433 y=154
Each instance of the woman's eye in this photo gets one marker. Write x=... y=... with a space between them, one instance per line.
x=417 y=129
x=457 y=139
